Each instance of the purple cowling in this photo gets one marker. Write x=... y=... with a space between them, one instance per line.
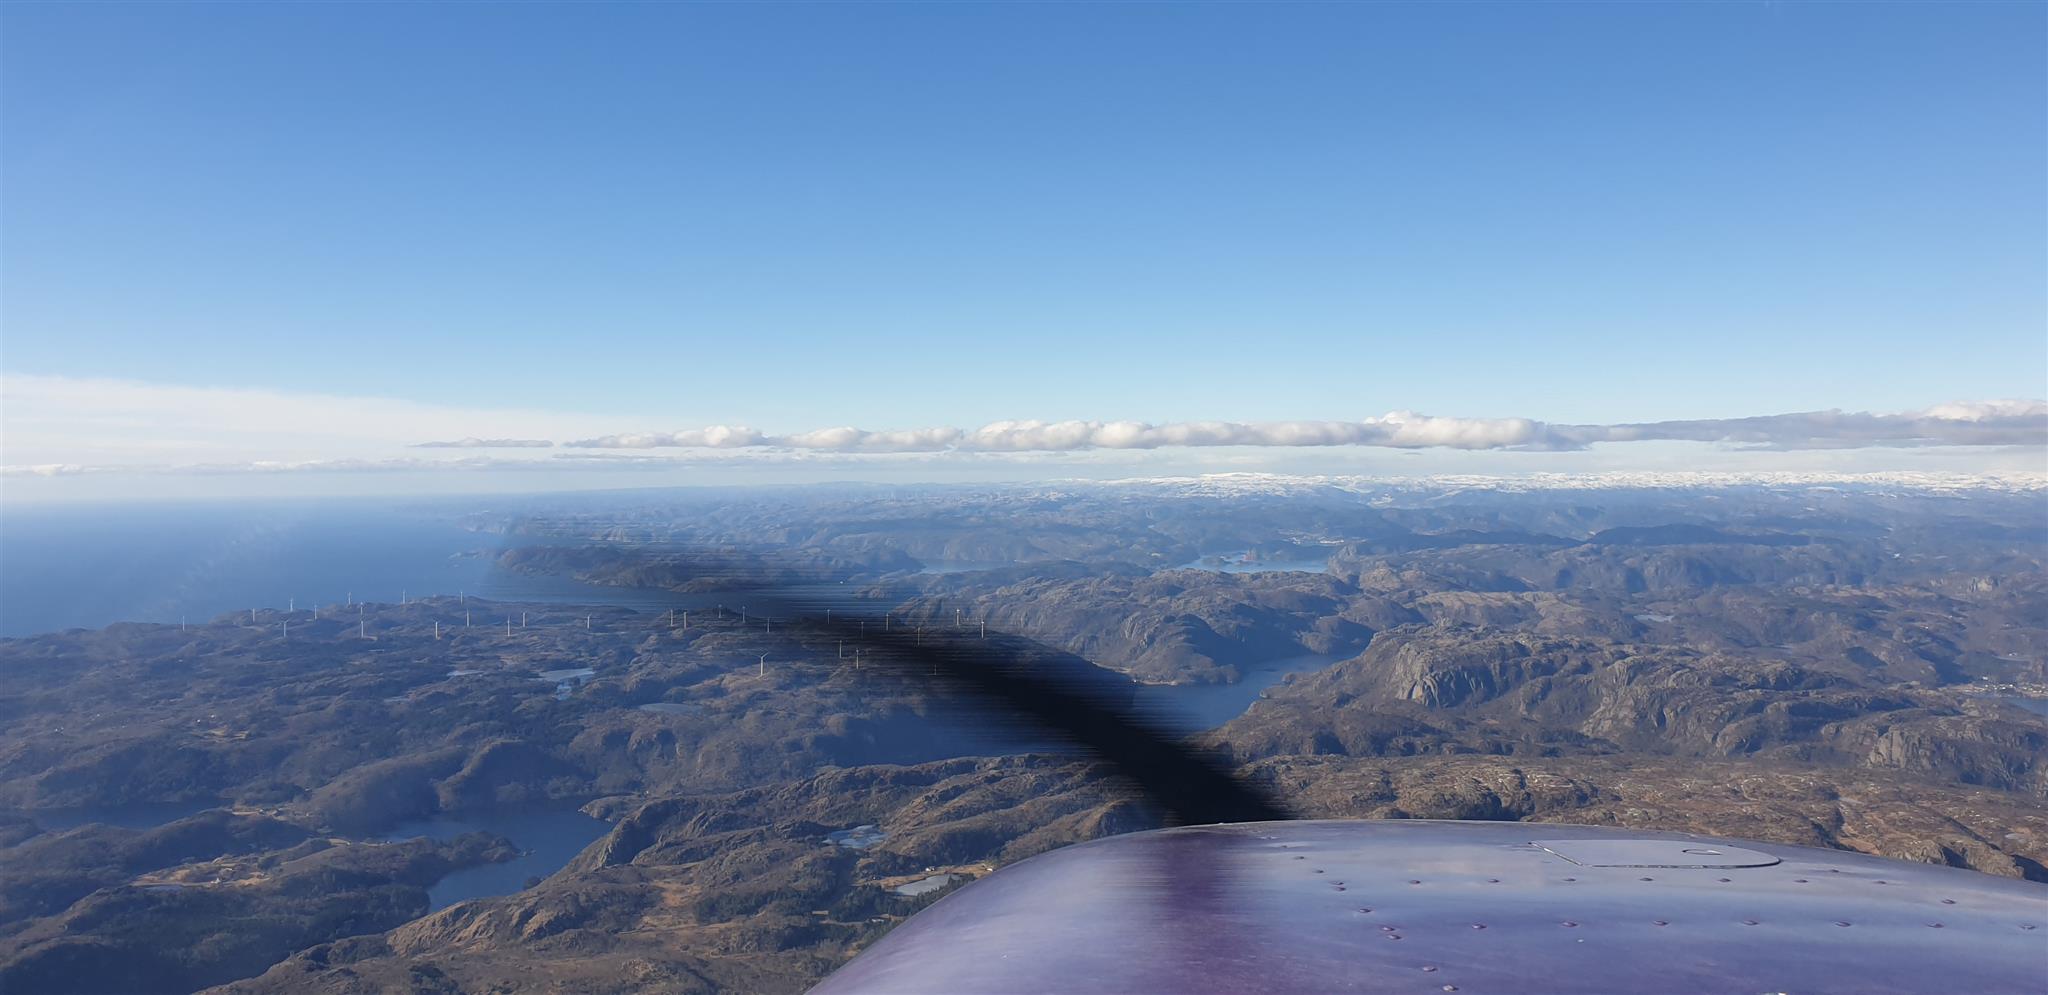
x=1472 y=907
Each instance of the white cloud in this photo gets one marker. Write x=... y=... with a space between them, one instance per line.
x=1399 y=430
x=714 y=437
x=46 y=469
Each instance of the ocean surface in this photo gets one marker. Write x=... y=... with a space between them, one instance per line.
x=89 y=566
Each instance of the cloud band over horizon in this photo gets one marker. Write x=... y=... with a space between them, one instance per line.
x=472 y=442
x=63 y=426
x=1980 y=423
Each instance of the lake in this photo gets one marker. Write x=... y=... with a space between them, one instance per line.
x=963 y=566
x=2038 y=706
x=548 y=839
x=1236 y=563
x=1191 y=708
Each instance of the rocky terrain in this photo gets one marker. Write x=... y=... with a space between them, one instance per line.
x=735 y=892
x=1827 y=666
x=1469 y=690
x=202 y=900
x=1194 y=626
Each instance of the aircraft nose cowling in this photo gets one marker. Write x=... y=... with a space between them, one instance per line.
x=1397 y=906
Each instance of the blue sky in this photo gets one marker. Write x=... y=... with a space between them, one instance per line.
x=658 y=217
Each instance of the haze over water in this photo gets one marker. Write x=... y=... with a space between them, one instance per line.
x=88 y=567
x=68 y=567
